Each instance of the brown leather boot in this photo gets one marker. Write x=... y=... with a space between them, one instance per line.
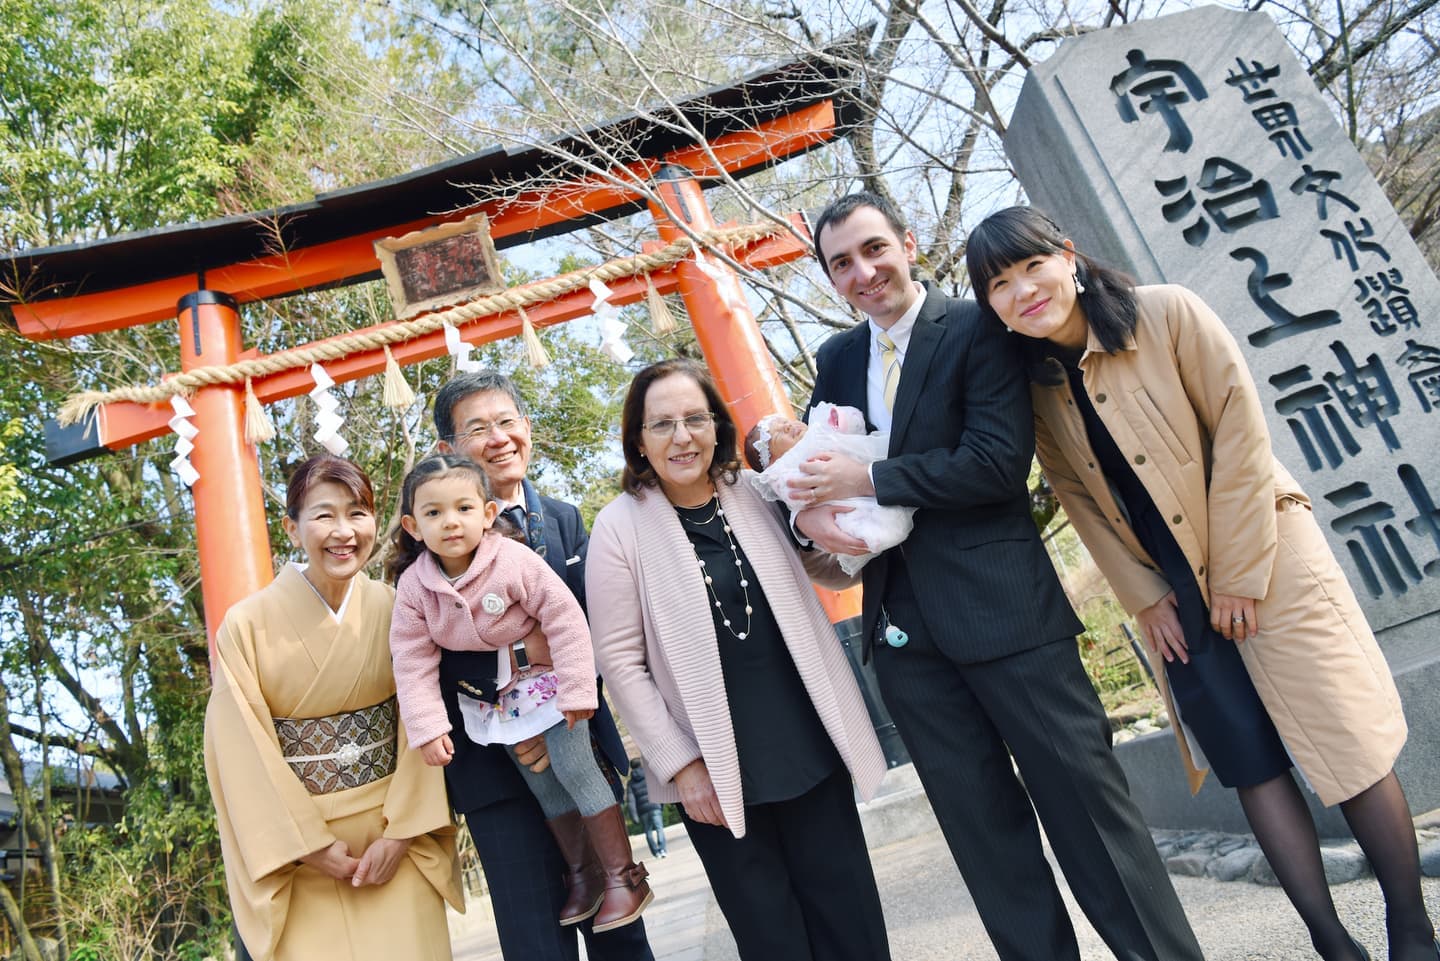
x=626 y=890
x=584 y=881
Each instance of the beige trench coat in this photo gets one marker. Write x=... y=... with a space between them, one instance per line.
x=656 y=646
x=1181 y=406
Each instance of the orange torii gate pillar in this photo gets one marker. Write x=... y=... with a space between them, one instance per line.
x=230 y=533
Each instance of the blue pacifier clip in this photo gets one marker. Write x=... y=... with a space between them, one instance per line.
x=896 y=637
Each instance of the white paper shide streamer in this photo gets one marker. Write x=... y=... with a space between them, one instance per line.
x=185 y=443
x=460 y=351
x=612 y=328
x=725 y=281
x=329 y=420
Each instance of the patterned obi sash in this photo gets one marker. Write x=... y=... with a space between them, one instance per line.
x=345 y=750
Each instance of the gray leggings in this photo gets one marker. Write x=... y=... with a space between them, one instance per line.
x=573 y=779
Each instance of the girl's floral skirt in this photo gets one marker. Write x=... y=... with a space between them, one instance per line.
x=528 y=708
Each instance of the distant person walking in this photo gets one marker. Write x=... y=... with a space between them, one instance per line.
x=646 y=812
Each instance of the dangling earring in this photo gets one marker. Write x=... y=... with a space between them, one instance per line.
x=1079 y=284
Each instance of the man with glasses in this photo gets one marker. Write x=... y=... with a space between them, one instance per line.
x=482 y=416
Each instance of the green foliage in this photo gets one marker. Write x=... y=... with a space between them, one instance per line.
x=146 y=888
x=11 y=496
x=1115 y=671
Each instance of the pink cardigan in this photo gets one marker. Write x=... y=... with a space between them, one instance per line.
x=656 y=644
x=431 y=613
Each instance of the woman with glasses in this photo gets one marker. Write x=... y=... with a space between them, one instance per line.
x=731 y=680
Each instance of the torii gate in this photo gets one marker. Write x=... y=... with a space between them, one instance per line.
x=210 y=268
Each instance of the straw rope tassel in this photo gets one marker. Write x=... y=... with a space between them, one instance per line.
x=534 y=350
x=258 y=428
x=662 y=321
x=396 y=393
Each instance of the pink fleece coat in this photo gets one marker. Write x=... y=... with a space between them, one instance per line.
x=431 y=613
x=656 y=641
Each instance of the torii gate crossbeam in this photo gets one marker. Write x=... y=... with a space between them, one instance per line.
x=749 y=127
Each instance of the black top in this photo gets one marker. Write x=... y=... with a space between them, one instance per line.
x=783 y=748
x=1214 y=692
x=1150 y=528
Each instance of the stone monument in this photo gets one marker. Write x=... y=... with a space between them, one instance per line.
x=1194 y=149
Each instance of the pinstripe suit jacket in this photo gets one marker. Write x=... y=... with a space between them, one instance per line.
x=656 y=646
x=961 y=444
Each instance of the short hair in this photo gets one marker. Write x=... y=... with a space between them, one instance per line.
x=639 y=474
x=840 y=211
x=326 y=469
x=461 y=386
x=752 y=447
x=1009 y=236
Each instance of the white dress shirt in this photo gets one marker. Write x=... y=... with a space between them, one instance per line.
x=899 y=334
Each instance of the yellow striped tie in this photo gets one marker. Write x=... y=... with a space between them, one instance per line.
x=890 y=365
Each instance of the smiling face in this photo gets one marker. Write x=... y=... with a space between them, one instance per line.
x=1035 y=296
x=451 y=516
x=681 y=460
x=869 y=264
x=337 y=533
x=491 y=432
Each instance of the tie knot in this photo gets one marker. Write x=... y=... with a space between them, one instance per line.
x=887 y=345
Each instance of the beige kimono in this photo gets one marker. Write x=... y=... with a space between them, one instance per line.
x=281 y=653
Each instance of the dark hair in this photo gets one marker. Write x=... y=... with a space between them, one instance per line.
x=1012 y=234
x=840 y=210
x=751 y=448
x=638 y=473
x=405 y=549
x=326 y=469
x=462 y=386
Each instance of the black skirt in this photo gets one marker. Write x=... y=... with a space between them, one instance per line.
x=1213 y=692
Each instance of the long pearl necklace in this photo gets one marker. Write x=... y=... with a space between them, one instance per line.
x=709 y=581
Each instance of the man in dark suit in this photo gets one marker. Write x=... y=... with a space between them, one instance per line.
x=973 y=639
x=482 y=416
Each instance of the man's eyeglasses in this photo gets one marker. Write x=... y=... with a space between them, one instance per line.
x=694 y=423
x=480 y=431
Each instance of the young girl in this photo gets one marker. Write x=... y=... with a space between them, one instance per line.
x=464 y=586
x=776 y=447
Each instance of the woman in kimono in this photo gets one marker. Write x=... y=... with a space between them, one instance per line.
x=337 y=839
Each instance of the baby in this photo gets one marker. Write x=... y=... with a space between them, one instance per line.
x=778 y=445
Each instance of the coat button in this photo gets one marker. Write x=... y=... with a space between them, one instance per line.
x=1139 y=458
x=1201 y=571
x=1099 y=398
x=1092 y=465
x=460 y=604
x=1178 y=519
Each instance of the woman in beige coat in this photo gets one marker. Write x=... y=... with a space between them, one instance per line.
x=1150 y=430
x=732 y=681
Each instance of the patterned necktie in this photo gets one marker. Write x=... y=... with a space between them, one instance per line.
x=890 y=367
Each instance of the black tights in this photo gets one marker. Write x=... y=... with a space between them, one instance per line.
x=1379 y=817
